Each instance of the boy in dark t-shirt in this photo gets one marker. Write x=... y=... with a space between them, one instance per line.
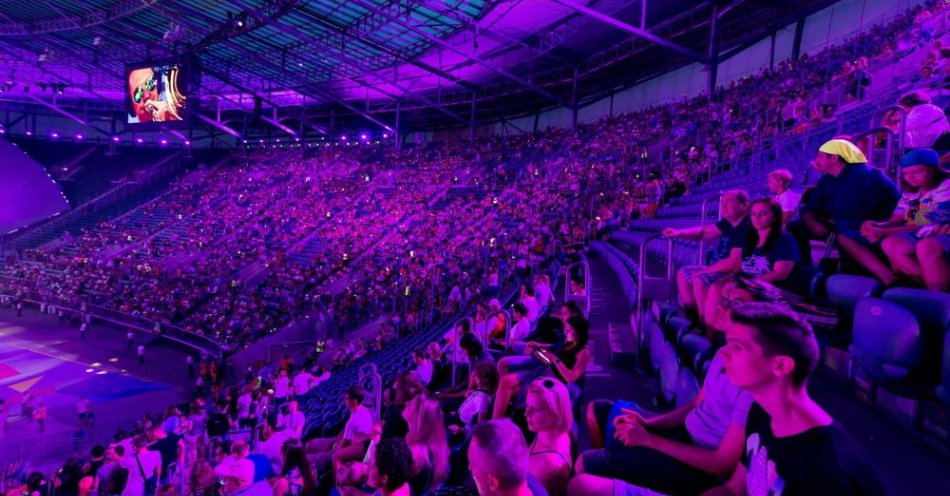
x=792 y=446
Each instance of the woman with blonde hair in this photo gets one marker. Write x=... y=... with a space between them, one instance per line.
x=427 y=441
x=549 y=415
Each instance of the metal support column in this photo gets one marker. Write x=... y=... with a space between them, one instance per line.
x=797 y=43
x=471 y=125
x=574 y=102
x=398 y=130
x=712 y=64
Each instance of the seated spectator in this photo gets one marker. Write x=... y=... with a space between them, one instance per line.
x=791 y=444
x=548 y=334
x=520 y=329
x=291 y=419
x=391 y=468
x=924 y=123
x=779 y=182
x=568 y=366
x=532 y=306
x=237 y=464
x=295 y=477
x=542 y=290
x=769 y=255
x=693 y=281
x=350 y=444
x=476 y=406
x=549 y=415
x=424 y=367
x=686 y=451
x=926 y=194
x=500 y=463
x=428 y=443
x=848 y=193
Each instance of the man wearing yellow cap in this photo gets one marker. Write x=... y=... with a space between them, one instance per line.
x=848 y=193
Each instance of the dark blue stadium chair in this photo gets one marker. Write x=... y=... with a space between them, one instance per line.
x=676 y=328
x=932 y=311
x=887 y=344
x=687 y=387
x=696 y=351
x=843 y=291
x=669 y=374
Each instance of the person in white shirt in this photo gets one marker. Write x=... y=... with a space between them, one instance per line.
x=522 y=326
x=542 y=291
x=281 y=387
x=272 y=442
x=350 y=445
x=303 y=381
x=924 y=123
x=292 y=420
x=142 y=465
x=424 y=367
x=778 y=182
x=529 y=301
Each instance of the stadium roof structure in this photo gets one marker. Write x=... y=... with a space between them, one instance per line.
x=406 y=64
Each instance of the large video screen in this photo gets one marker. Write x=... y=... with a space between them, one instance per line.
x=159 y=93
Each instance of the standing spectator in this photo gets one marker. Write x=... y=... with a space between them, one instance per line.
x=82 y=330
x=779 y=182
x=40 y=416
x=83 y=410
x=291 y=419
x=141 y=353
x=303 y=382
x=281 y=388
x=190 y=362
x=848 y=193
x=129 y=340
x=145 y=469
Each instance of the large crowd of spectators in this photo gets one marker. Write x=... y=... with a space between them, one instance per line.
x=425 y=233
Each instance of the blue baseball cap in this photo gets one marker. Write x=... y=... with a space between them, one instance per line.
x=920 y=156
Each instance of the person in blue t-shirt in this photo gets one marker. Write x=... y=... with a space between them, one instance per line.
x=848 y=194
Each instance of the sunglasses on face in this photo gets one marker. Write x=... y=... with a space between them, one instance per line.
x=139 y=94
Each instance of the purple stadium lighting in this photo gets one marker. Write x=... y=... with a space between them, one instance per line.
x=187 y=143
x=115 y=139
x=29 y=133
x=385 y=135
x=54 y=135
x=362 y=136
x=343 y=137
x=163 y=142
x=79 y=137
x=139 y=140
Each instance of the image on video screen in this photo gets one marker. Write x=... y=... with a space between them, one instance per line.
x=155 y=94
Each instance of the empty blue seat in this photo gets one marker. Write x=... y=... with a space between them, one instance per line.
x=696 y=350
x=687 y=387
x=669 y=373
x=887 y=343
x=844 y=290
x=932 y=311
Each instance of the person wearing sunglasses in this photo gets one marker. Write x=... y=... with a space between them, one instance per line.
x=926 y=192
x=143 y=88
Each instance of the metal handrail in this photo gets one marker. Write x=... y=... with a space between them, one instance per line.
x=702 y=223
x=507 y=315
x=368 y=372
x=567 y=284
x=891 y=137
x=456 y=344
x=641 y=274
x=901 y=128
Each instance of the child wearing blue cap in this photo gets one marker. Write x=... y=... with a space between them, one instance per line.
x=924 y=204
